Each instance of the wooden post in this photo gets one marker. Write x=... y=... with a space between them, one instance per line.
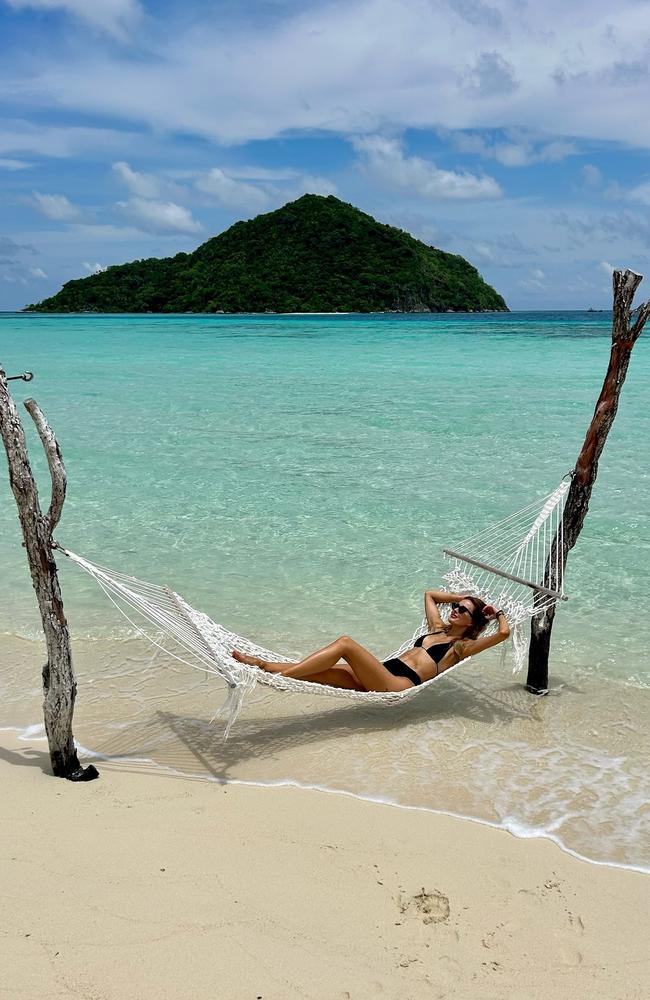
x=626 y=328
x=59 y=684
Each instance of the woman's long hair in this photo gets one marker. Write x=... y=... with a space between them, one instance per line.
x=479 y=621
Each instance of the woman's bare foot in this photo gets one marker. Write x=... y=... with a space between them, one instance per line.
x=252 y=661
x=257 y=661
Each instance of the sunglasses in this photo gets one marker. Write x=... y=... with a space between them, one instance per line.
x=460 y=608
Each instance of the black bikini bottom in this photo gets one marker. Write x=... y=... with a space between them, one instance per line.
x=400 y=669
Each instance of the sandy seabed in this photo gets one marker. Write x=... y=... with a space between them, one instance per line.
x=149 y=886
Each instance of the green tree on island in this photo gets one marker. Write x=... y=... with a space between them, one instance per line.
x=316 y=254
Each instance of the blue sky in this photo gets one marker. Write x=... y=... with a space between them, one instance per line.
x=511 y=132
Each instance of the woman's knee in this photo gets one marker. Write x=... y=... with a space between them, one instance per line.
x=342 y=677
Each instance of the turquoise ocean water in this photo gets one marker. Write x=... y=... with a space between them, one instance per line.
x=296 y=477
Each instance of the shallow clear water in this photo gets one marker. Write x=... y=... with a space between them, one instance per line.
x=296 y=477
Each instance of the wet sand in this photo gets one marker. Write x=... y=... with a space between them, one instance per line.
x=571 y=767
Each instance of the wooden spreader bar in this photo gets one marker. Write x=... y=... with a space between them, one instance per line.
x=508 y=576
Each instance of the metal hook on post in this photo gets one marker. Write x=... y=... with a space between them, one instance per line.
x=25 y=377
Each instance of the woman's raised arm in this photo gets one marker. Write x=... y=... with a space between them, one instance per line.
x=470 y=647
x=432 y=598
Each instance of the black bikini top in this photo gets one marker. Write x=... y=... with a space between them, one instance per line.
x=438 y=650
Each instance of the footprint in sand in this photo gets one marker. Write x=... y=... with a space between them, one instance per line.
x=430 y=907
x=571 y=955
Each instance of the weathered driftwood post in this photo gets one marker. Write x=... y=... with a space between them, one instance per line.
x=626 y=328
x=59 y=683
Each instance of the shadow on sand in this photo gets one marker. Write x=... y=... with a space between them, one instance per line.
x=27 y=758
x=197 y=745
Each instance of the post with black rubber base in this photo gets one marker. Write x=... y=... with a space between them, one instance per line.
x=59 y=684
x=627 y=325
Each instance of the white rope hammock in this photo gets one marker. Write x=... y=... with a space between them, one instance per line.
x=515 y=565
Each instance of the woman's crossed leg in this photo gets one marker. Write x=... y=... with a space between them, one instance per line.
x=364 y=672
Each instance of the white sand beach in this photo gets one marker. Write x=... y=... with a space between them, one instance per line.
x=140 y=885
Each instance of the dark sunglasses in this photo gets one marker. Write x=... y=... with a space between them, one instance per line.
x=460 y=608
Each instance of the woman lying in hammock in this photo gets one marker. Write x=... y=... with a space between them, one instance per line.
x=443 y=647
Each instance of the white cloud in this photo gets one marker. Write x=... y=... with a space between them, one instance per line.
x=490 y=76
x=535 y=282
x=532 y=284
x=37 y=272
x=607 y=267
x=641 y=193
x=575 y=70
x=159 y=216
x=93 y=268
x=56 y=207
x=116 y=17
x=513 y=154
x=20 y=136
x=592 y=176
x=228 y=187
x=518 y=149
x=252 y=173
x=230 y=192
x=384 y=159
x=9 y=164
x=143 y=185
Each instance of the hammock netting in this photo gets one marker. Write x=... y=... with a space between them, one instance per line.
x=515 y=565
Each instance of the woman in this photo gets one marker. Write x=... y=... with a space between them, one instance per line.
x=441 y=648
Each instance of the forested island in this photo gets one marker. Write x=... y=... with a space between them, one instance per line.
x=316 y=254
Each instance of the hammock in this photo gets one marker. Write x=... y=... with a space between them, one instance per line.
x=515 y=565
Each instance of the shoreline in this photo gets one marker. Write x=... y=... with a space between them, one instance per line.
x=454 y=312
x=338 y=312
x=480 y=750
x=299 y=894
x=147 y=766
